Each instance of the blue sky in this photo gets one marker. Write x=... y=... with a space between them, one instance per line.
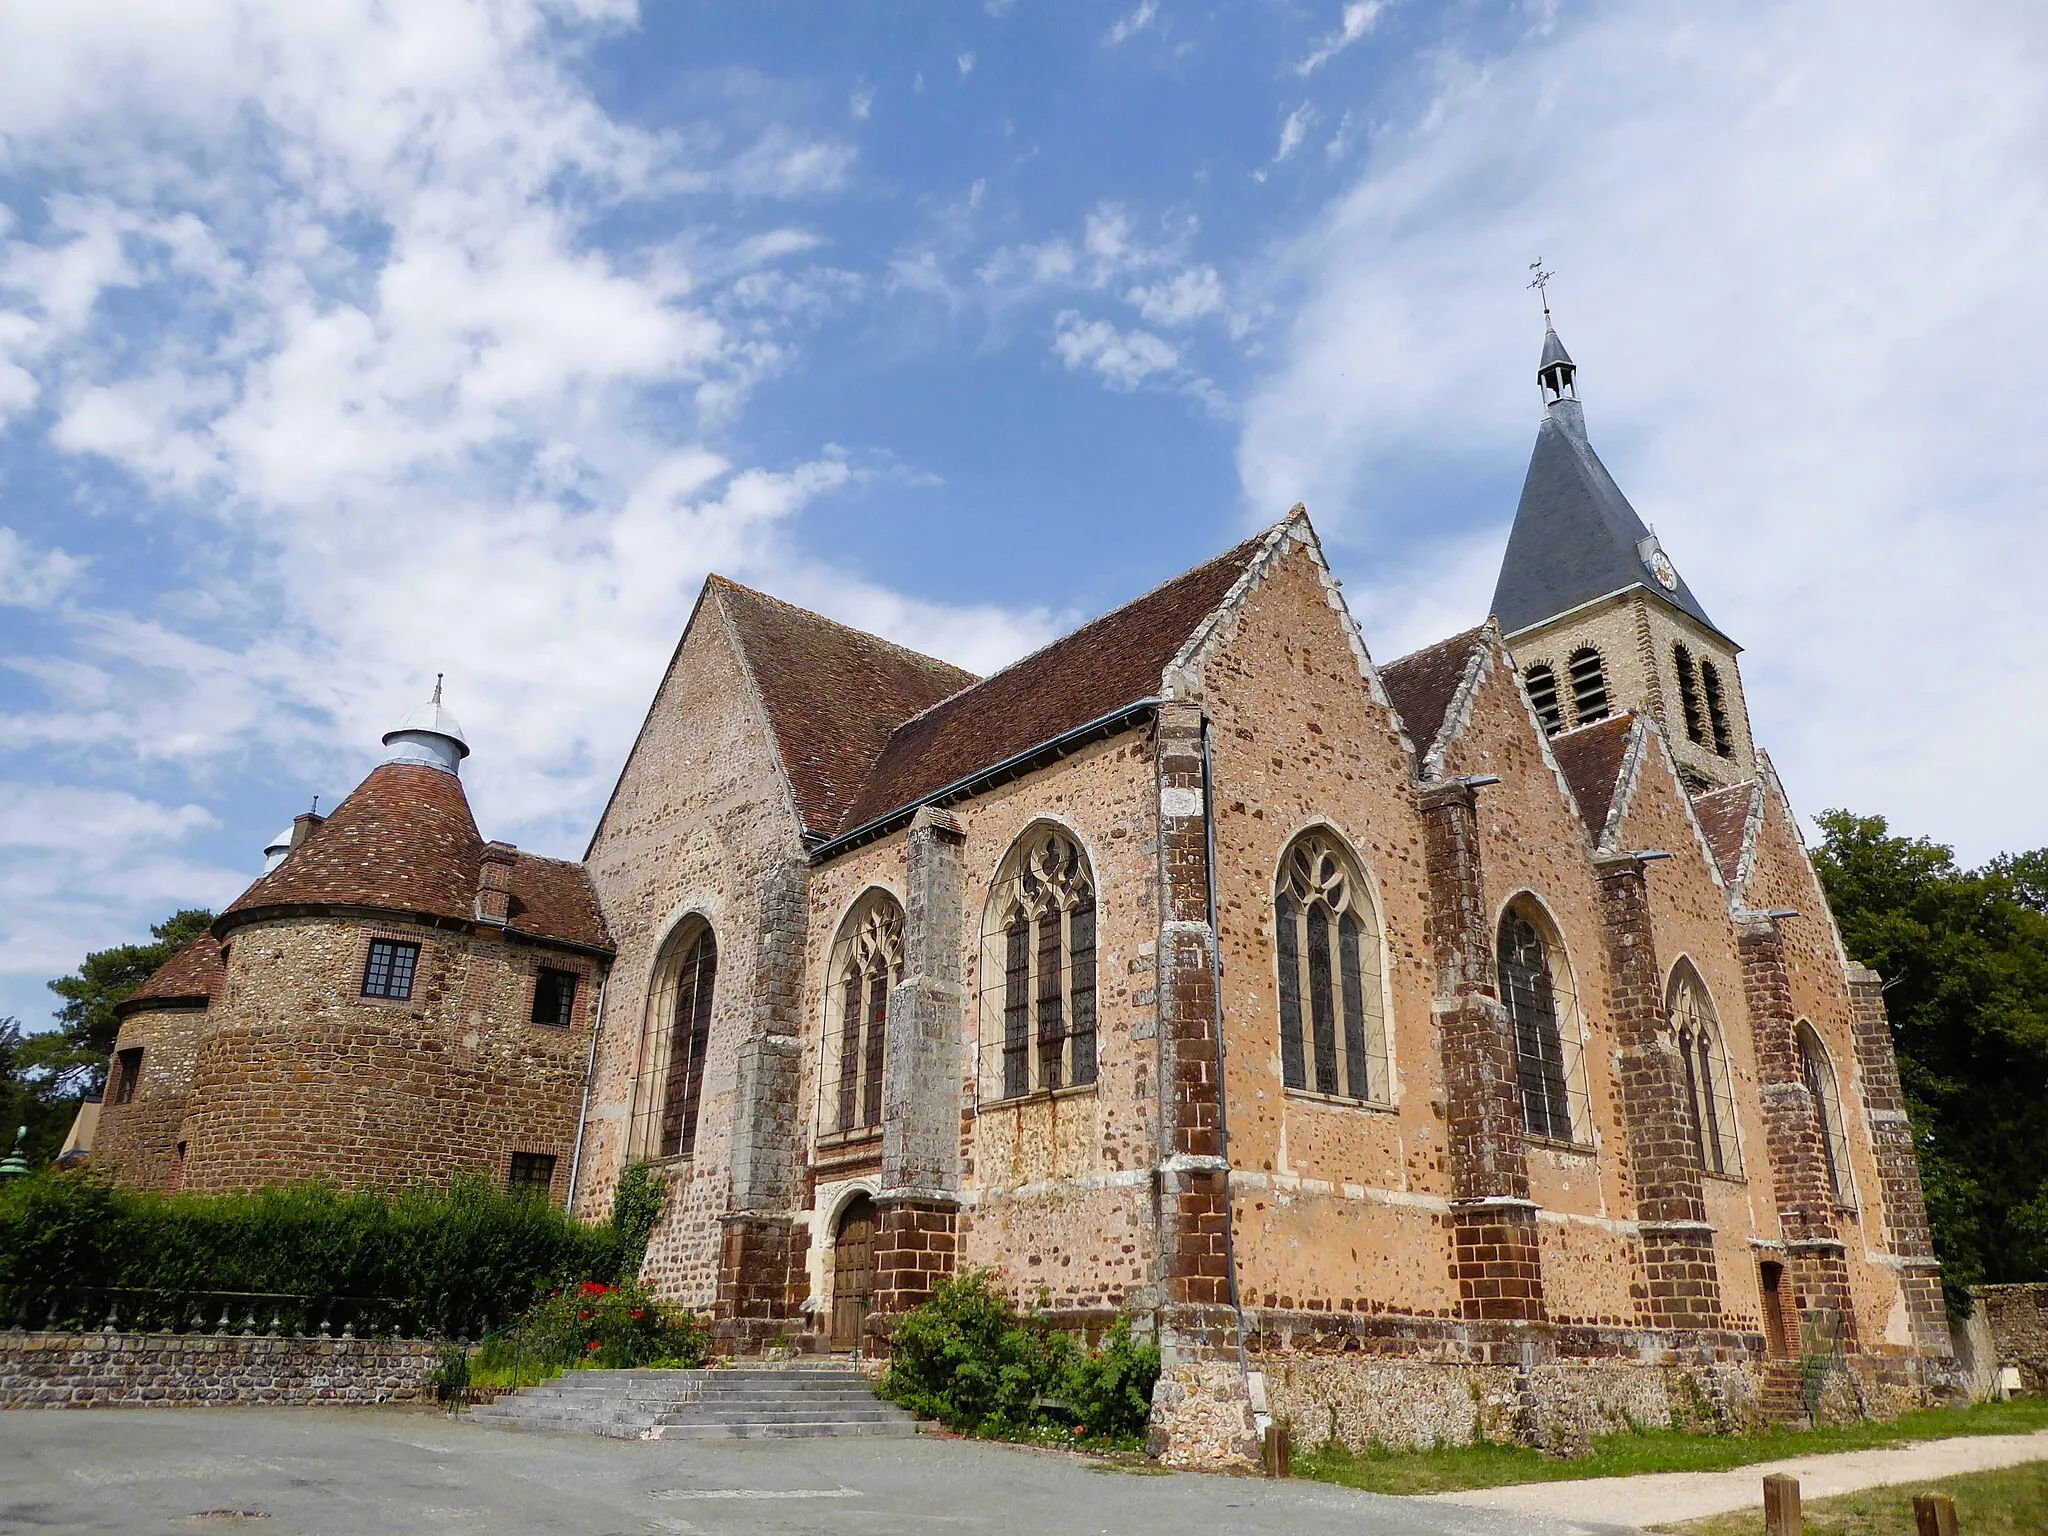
x=345 y=344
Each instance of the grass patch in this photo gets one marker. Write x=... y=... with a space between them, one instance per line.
x=2011 y=1501
x=1449 y=1468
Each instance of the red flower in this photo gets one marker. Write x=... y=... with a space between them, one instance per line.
x=639 y=1313
x=593 y=1346
x=592 y=1288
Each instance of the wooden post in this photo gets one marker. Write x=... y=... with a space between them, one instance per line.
x=1934 y=1514
x=1280 y=1453
x=1781 y=1505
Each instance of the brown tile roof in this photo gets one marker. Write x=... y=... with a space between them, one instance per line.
x=405 y=842
x=1102 y=666
x=189 y=979
x=1423 y=684
x=1591 y=757
x=1724 y=817
x=832 y=694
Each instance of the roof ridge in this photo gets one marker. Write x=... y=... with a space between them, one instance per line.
x=713 y=578
x=1101 y=618
x=1469 y=636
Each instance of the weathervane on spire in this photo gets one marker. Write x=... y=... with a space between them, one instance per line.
x=1539 y=283
x=438 y=676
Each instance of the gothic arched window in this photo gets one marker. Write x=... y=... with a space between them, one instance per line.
x=1688 y=693
x=1589 y=686
x=1818 y=1069
x=1542 y=1008
x=1698 y=1031
x=1333 y=1036
x=674 y=1042
x=1542 y=684
x=1717 y=710
x=1038 y=964
x=865 y=966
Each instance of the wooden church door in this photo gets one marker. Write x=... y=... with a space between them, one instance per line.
x=853 y=1272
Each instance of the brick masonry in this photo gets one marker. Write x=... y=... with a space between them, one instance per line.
x=164 y=1370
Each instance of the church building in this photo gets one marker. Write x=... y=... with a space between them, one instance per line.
x=1457 y=1045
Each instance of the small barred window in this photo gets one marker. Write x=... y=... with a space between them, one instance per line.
x=1688 y=694
x=389 y=970
x=1332 y=1031
x=1038 y=961
x=554 y=997
x=1542 y=684
x=1589 y=686
x=532 y=1175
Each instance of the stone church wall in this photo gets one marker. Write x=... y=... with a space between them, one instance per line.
x=700 y=824
x=138 y=1141
x=298 y=1076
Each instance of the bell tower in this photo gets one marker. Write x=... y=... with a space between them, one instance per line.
x=1595 y=611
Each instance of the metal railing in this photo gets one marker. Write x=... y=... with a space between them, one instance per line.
x=247 y=1314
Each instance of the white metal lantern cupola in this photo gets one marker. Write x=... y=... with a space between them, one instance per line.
x=429 y=736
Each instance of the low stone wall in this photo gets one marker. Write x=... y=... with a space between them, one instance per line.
x=2016 y=1317
x=168 y=1370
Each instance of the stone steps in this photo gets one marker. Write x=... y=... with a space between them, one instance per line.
x=798 y=1401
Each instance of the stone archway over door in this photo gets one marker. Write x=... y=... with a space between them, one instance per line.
x=853 y=1271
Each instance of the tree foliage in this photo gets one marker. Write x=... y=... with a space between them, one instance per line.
x=72 y=1058
x=26 y=1100
x=1964 y=957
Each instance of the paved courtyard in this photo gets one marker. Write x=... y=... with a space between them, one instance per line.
x=279 y=1472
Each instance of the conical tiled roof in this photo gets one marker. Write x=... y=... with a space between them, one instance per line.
x=405 y=842
x=189 y=979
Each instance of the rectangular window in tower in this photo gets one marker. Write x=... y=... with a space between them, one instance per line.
x=554 y=997
x=1589 y=686
x=127 y=1074
x=1542 y=685
x=532 y=1175
x=1717 y=710
x=1688 y=694
x=389 y=971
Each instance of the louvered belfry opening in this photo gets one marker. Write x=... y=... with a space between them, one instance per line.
x=1589 y=686
x=1542 y=685
x=1717 y=710
x=1688 y=694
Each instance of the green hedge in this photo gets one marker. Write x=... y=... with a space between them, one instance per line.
x=967 y=1359
x=459 y=1260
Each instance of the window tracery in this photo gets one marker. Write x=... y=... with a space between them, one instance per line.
x=866 y=966
x=1038 y=949
x=1697 y=1029
x=1332 y=1025
x=1818 y=1069
x=675 y=1039
x=1542 y=1008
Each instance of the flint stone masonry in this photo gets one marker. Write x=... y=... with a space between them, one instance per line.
x=166 y=1370
x=2017 y=1319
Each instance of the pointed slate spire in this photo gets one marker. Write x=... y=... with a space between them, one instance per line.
x=1576 y=538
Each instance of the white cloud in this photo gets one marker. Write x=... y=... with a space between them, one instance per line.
x=397 y=395
x=966 y=61
x=861 y=104
x=1128 y=26
x=1185 y=297
x=1123 y=358
x=1796 y=255
x=1293 y=131
x=29 y=579
x=1358 y=19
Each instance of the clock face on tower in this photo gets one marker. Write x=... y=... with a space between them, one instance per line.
x=1665 y=572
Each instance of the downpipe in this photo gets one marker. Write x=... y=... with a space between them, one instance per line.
x=589 y=1071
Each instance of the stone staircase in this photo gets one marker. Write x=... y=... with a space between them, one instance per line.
x=743 y=1403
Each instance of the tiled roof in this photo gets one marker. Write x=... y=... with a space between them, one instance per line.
x=832 y=694
x=1591 y=757
x=189 y=979
x=1724 y=817
x=405 y=842
x=1117 y=660
x=1423 y=684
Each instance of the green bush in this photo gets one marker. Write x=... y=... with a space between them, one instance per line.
x=968 y=1360
x=636 y=1207
x=457 y=1261
x=607 y=1327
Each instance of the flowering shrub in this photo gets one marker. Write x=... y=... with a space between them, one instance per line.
x=613 y=1327
x=968 y=1360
